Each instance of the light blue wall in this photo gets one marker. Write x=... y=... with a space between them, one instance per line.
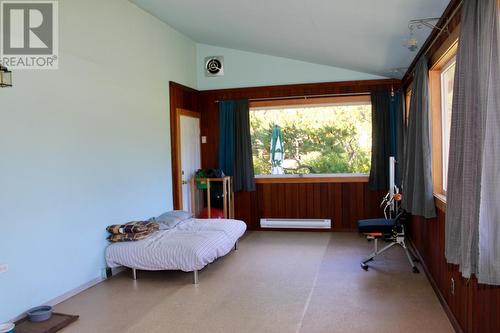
x=248 y=69
x=85 y=146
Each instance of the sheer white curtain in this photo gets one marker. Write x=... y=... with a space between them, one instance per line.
x=489 y=210
x=473 y=210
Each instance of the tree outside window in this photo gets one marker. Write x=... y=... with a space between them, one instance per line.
x=322 y=139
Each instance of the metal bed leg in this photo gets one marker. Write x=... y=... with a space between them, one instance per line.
x=134 y=274
x=236 y=245
x=195 y=277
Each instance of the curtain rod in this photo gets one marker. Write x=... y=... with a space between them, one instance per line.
x=303 y=97
x=427 y=48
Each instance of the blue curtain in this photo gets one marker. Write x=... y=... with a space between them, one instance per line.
x=235 y=147
x=226 y=137
x=387 y=137
x=400 y=134
x=379 y=172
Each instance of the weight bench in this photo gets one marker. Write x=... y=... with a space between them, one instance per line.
x=391 y=230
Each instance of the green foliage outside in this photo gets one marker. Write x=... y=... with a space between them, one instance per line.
x=326 y=139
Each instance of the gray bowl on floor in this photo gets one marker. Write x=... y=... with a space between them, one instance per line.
x=40 y=313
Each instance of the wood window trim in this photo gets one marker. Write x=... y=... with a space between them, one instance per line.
x=436 y=131
x=311 y=179
x=408 y=94
x=436 y=116
x=447 y=50
x=310 y=101
x=440 y=201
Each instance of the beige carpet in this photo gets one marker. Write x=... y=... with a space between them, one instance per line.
x=275 y=282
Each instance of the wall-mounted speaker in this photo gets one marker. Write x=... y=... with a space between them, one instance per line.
x=214 y=66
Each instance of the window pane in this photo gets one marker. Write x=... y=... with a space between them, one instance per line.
x=447 y=79
x=315 y=139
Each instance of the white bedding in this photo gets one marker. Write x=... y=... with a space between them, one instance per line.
x=189 y=246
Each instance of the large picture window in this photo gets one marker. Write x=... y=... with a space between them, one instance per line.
x=313 y=136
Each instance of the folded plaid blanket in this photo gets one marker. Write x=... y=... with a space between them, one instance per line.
x=133 y=227
x=129 y=237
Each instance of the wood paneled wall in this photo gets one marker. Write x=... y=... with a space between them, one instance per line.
x=343 y=203
x=472 y=307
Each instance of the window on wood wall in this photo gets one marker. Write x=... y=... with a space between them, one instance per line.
x=447 y=80
x=442 y=75
x=408 y=102
x=311 y=136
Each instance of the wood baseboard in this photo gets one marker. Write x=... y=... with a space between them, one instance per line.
x=439 y=294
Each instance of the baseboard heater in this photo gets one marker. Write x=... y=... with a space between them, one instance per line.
x=296 y=223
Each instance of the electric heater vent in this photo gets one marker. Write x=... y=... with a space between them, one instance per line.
x=296 y=223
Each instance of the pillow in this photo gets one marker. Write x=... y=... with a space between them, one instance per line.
x=171 y=219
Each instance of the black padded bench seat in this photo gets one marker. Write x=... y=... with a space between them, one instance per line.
x=376 y=225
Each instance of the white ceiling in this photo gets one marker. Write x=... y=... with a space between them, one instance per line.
x=361 y=35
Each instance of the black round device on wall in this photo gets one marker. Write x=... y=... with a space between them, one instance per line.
x=214 y=66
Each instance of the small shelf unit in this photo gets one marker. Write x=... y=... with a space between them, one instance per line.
x=200 y=201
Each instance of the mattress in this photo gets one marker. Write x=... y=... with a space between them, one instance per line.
x=189 y=246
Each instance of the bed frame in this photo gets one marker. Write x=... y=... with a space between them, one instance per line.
x=195 y=273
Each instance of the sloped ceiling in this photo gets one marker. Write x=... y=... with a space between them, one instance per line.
x=361 y=35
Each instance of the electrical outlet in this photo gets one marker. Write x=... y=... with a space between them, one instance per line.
x=452 y=286
x=4 y=268
x=203 y=139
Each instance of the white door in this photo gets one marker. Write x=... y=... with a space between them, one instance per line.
x=190 y=155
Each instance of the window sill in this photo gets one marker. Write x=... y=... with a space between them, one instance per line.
x=440 y=201
x=318 y=178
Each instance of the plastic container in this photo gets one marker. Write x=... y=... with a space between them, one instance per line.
x=40 y=313
x=7 y=328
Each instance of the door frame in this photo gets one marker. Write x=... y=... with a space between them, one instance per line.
x=176 y=154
